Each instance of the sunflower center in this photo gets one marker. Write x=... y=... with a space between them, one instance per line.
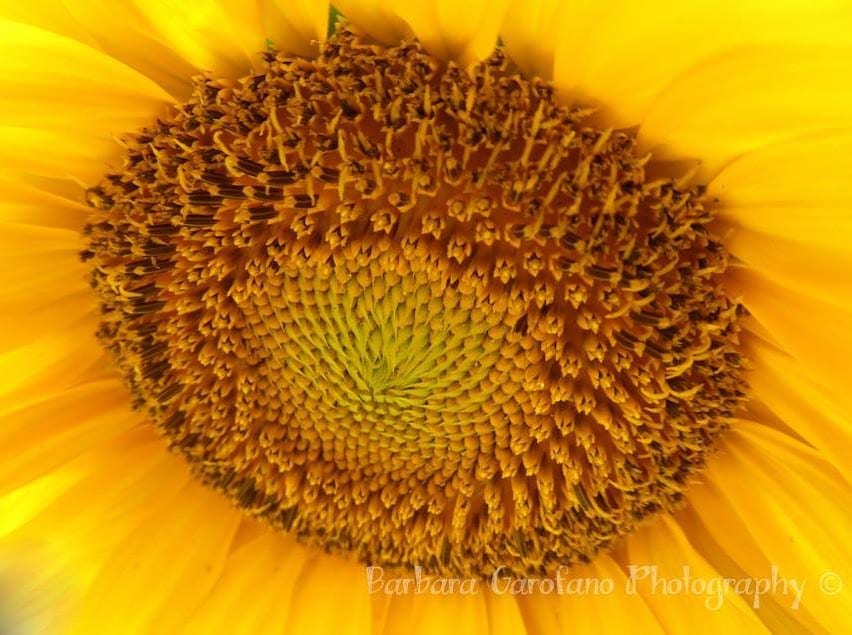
x=415 y=313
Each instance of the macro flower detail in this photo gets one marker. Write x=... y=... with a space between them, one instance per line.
x=425 y=317
x=419 y=315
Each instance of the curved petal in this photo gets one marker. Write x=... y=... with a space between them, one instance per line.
x=799 y=171
x=427 y=613
x=461 y=31
x=380 y=20
x=72 y=155
x=772 y=504
x=56 y=429
x=63 y=104
x=163 y=575
x=815 y=333
x=44 y=296
x=820 y=272
x=24 y=502
x=530 y=33
x=622 y=54
x=116 y=28
x=504 y=614
x=774 y=611
x=595 y=599
x=58 y=359
x=294 y=27
x=107 y=493
x=42 y=248
x=225 y=37
x=172 y=41
x=254 y=593
x=798 y=190
x=47 y=312
x=802 y=404
x=23 y=204
x=271 y=584
x=680 y=586
x=314 y=609
x=42 y=280
x=746 y=99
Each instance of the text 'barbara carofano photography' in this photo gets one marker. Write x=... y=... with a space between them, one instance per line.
x=712 y=591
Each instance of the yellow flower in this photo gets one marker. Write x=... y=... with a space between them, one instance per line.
x=553 y=336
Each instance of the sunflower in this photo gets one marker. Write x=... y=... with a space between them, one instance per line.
x=425 y=317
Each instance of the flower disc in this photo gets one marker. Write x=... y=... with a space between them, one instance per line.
x=416 y=313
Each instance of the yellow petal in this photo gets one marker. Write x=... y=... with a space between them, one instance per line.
x=530 y=33
x=62 y=103
x=163 y=574
x=798 y=189
x=774 y=610
x=112 y=481
x=117 y=29
x=27 y=205
x=814 y=333
x=49 y=153
x=802 y=404
x=30 y=594
x=820 y=272
x=255 y=591
x=49 y=364
x=28 y=241
x=381 y=20
x=61 y=549
x=147 y=35
x=595 y=599
x=41 y=251
x=746 y=99
x=315 y=609
x=468 y=30
x=226 y=37
x=49 y=79
x=622 y=54
x=43 y=282
x=808 y=169
x=428 y=613
x=504 y=614
x=41 y=436
x=772 y=501
x=461 y=31
x=20 y=505
x=380 y=607
x=680 y=586
x=43 y=286
x=294 y=27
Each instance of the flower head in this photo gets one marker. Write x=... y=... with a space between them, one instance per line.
x=430 y=304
